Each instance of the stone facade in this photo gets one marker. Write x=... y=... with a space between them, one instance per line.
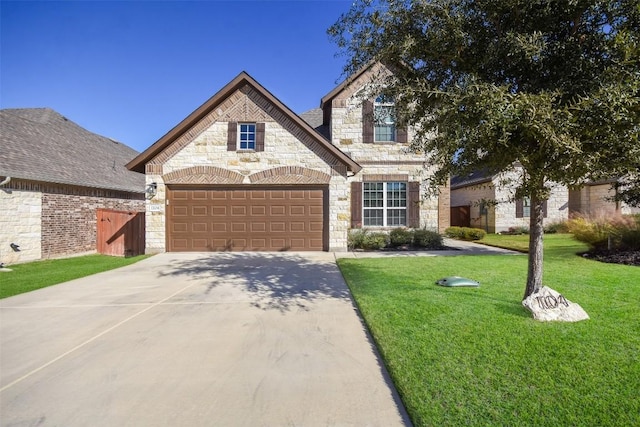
x=54 y=220
x=303 y=160
x=594 y=200
x=382 y=159
x=500 y=214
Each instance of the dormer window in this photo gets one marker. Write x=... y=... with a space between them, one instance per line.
x=384 y=120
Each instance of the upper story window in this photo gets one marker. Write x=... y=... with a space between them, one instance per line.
x=247 y=136
x=384 y=120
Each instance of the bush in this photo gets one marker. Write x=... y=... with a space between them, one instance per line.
x=516 y=231
x=557 y=227
x=427 y=239
x=400 y=237
x=465 y=233
x=601 y=232
x=364 y=239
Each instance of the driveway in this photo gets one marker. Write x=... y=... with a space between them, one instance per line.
x=208 y=339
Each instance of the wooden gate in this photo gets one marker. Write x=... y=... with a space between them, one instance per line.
x=460 y=216
x=120 y=233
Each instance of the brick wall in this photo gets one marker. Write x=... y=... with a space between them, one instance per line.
x=69 y=220
x=53 y=220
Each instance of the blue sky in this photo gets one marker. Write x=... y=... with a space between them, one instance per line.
x=132 y=70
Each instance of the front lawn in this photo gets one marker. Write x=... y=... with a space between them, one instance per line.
x=475 y=356
x=40 y=274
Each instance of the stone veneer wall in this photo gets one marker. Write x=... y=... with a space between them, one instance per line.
x=56 y=220
x=593 y=200
x=284 y=146
x=382 y=158
x=20 y=213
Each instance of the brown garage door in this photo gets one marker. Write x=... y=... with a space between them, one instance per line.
x=260 y=219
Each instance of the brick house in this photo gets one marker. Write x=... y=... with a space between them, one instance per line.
x=53 y=176
x=488 y=202
x=244 y=173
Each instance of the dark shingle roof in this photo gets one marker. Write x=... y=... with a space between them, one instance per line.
x=474 y=178
x=314 y=118
x=40 y=144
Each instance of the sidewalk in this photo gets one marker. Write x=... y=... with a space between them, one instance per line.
x=457 y=247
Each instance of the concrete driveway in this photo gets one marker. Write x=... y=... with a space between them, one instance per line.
x=215 y=339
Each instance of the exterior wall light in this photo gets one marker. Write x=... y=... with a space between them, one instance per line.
x=152 y=190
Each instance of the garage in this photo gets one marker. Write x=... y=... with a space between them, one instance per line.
x=246 y=219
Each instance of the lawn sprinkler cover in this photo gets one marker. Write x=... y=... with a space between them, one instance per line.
x=455 y=281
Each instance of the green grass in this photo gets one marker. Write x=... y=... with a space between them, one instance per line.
x=517 y=243
x=476 y=357
x=40 y=274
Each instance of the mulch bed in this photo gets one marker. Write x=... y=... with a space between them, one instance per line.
x=627 y=257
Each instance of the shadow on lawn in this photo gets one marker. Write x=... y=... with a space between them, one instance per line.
x=274 y=281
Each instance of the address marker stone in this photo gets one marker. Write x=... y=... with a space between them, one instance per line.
x=548 y=305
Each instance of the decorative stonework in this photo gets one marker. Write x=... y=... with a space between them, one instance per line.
x=290 y=175
x=203 y=175
x=549 y=305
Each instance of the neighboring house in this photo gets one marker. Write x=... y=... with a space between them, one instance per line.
x=488 y=202
x=53 y=176
x=596 y=198
x=245 y=173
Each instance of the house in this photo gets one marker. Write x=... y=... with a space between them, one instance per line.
x=243 y=172
x=54 y=175
x=487 y=201
x=596 y=198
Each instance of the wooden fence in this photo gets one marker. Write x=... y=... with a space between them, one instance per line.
x=120 y=233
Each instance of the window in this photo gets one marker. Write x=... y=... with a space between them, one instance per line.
x=384 y=204
x=526 y=207
x=247 y=136
x=384 y=120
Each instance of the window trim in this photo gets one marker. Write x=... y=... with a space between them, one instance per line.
x=380 y=103
x=240 y=133
x=385 y=203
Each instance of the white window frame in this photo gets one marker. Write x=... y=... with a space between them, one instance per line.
x=247 y=132
x=379 y=106
x=386 y=202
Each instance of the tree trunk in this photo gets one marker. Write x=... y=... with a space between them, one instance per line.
x=536 y=231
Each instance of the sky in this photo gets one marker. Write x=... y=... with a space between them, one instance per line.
x=132 y=70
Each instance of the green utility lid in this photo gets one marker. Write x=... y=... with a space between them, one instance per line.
x=455 y=281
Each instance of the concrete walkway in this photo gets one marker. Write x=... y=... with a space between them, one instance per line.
x=457 y=248
x=214 y=339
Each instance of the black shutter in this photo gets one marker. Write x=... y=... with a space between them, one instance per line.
x=413 y=205
x=356 y=205
x=519 y=208
x=232 y=136
x=367 y=122
x=259 y=136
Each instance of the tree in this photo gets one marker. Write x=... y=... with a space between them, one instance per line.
x=552 y=86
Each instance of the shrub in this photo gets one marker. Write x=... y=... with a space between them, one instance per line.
x=428 y=239
x=557 y=227
x=453 y=232
x=606 y=231
x=364 y=239
x=516 y=231
x=375 y=240
x=473 y=233
x=465 y=233
x=400 y=237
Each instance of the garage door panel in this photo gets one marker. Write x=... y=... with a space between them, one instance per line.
x=245 y=220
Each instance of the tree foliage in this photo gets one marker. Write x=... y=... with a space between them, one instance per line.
x=553 y=86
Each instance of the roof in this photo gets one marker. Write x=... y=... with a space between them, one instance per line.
x=40 y=144
x=138 y=163
x=474 y=178
x=314 y=119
